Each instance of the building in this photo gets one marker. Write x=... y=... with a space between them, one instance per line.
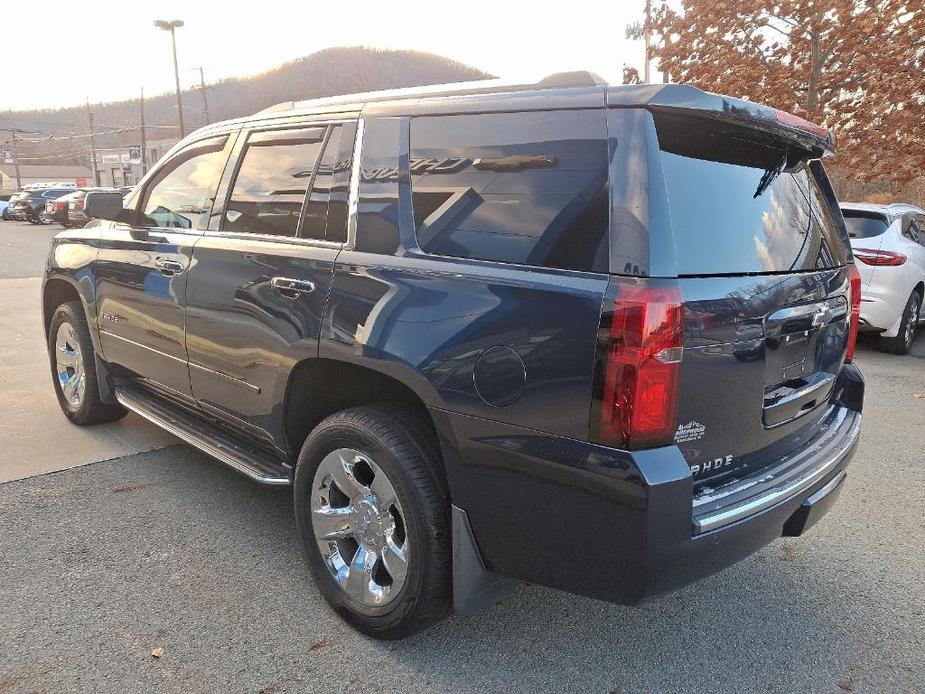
x=42 y=173
x=121 y=166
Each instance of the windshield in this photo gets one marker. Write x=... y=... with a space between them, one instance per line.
x=865 y=225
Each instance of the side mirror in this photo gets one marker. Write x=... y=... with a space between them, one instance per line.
x=102 y=204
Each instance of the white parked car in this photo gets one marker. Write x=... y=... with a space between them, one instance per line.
x=889 y=246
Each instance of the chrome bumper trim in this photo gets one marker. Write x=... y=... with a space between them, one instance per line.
x=787 y=489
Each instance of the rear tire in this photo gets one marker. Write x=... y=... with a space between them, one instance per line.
x=902 y=343
x=401 y=560
x=73 y=368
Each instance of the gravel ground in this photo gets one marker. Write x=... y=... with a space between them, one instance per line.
x=104 y=563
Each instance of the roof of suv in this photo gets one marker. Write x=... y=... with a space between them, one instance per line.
x=566 y=90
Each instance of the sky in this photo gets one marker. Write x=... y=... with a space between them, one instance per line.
x=116 y=50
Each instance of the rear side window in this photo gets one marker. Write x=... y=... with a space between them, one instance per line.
x=270 y=186
x=920 y=225
x=864 y=225
x=526 y=188
x=742 y=203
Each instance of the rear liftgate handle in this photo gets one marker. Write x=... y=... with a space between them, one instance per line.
x=292 y=288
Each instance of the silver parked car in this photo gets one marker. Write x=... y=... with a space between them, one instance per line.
x=889 y=243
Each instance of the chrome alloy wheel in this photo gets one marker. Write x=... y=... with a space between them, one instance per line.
x=359 y=527
x=912 y=320
x=69 y=366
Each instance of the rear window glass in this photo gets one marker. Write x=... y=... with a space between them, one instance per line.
x=864 y=225
x=742 y=203
x=527 y=188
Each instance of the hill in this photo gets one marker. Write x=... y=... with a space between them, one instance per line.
x=325 y=73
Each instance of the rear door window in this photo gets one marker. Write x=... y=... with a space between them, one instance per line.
x=270 y=186
x=865 y=225
x=314 y=220
x=741 y=204
x=527 y=188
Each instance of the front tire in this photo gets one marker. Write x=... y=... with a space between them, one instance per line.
x=73 y=368
x=902 y=343
x=372 y=508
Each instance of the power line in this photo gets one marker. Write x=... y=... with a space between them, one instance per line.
x=62 y=155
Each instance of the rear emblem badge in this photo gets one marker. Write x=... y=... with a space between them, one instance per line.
x=714 y=464
x=692 y=431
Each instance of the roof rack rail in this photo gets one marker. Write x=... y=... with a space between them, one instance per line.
x=575 y=78
x=559 y=80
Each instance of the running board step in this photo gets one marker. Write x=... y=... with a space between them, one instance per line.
x=260 y=467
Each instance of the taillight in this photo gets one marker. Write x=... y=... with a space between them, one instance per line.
x=854 y=276
x=642 y=367
x=59 y=206
x=869 y=256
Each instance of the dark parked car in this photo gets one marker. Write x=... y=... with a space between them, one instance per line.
x=68 y=210
x=31 y=207
x=57 y=210
x=487 y=334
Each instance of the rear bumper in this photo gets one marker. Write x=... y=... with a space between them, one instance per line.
x=881 y=313
x=622 y=526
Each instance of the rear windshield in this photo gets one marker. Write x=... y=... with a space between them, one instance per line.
x=742 y=202
x=864 y=225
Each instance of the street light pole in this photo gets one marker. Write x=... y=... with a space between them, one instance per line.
x=171 y=26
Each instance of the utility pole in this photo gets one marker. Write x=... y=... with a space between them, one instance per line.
x=640 y=30
x=96 y=173
x=144 y=144
x=16 y=163
x=646 y=34
x=12 y=132
x=202 y=90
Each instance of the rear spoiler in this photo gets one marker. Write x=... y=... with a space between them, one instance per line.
x=682 y=98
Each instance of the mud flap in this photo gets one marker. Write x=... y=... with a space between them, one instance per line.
x=474 y=586
x=107 y=397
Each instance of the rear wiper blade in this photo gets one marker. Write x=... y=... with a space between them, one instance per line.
x=768 y=177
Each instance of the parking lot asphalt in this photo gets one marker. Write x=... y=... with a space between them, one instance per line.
x=23 y=248
x=105 y=563
x=34 y=436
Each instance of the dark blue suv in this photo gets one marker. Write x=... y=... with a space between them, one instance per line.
x=596 y=338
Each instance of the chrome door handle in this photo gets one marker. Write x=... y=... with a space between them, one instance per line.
x=168 y=267
x=292 y=288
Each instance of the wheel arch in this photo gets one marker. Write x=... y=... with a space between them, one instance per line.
x=341 y=384
x=58 y=289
